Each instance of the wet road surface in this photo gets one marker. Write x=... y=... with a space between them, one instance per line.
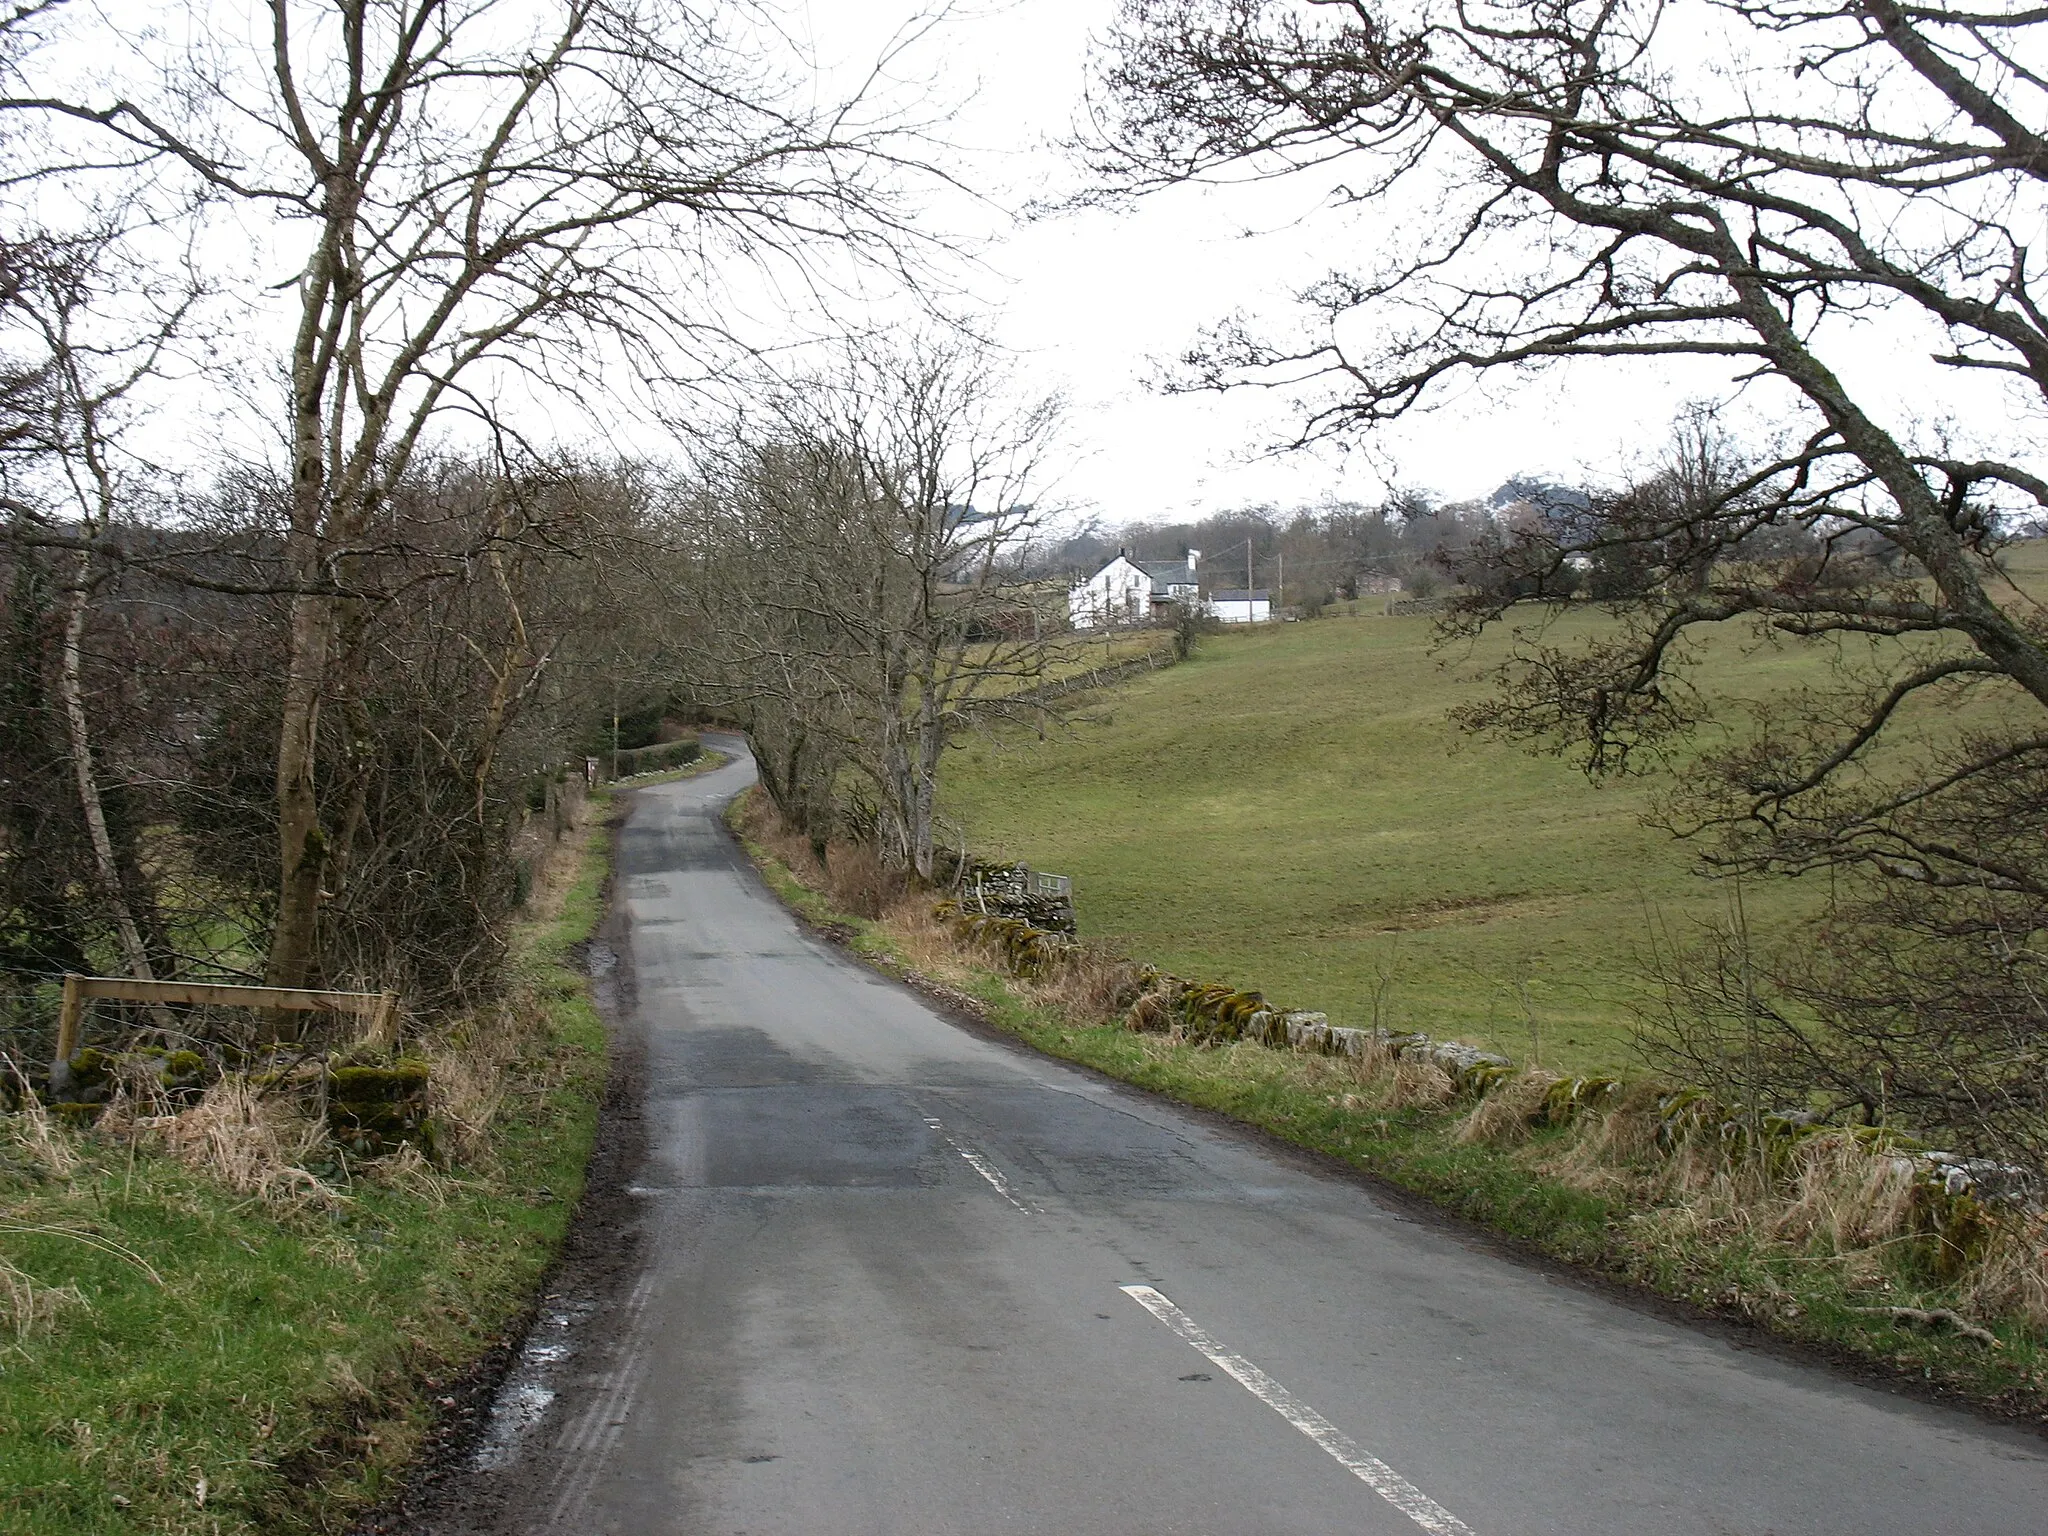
x=894 y=1277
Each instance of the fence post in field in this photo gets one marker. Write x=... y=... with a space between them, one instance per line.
x=68 y=1019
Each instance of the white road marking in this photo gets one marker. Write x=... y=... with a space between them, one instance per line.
x=1346 y=1452
x=982 y=1166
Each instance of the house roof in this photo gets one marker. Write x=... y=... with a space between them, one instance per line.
x=1257 y=595
x=1167 y=573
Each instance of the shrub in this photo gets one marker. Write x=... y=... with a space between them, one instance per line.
x=653 y=759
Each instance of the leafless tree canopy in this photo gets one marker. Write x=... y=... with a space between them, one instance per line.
x=280 y=714
x=858 y=536
x=1742 y=183
x=466 y=202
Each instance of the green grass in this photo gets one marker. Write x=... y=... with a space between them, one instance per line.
x=1292 y=811
x=282 y=1368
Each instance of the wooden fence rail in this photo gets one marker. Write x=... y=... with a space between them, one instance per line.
x=379 y=1009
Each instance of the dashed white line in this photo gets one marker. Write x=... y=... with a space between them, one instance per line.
x=1346 y=1452
x=982 y=1166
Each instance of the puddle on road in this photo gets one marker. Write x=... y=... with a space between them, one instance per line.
x=528 y=1391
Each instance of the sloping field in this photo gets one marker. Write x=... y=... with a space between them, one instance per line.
x=1292 y=811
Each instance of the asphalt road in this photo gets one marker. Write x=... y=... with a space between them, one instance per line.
x=895 y=1277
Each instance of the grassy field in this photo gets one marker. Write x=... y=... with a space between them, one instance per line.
x=180 y=1357
x=1292 y=811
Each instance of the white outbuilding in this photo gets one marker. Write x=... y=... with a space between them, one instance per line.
x=1241 y=607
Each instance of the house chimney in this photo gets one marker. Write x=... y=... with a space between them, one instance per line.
x=1193 y=556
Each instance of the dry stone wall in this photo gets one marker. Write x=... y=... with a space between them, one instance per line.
x=1215 y=1013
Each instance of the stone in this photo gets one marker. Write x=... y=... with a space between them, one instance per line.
x=373 y=1109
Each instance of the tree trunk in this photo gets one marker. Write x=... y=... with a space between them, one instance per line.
x=134 y=954
x=925 y=781
x=301 y=842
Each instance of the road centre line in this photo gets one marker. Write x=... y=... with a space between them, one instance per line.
x=982 y=1166
x=1346 y=1452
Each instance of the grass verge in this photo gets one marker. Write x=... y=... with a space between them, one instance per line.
x=1580 y=1193
x=178 y=1356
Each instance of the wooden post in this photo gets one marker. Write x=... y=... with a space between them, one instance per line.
x=68 y=1020
x=384 y=1022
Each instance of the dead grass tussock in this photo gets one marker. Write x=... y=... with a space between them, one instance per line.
x=470 y=1066
x=1416 y=1085
x=1695 y=1174
x=1843 y=1193
x=1613 y=1151
x=2011 y=1278
x=1841 y=1202
x=1504 y=1116
x=28 y=1307
x=1090 y=987
x=251 y=1142
x=925 y=942
x=466 y=1090
x=987 y=954
x=1625 y=1132
x=1373 y=1061
x=37 y=1136
x=1361 y=1078
x=760 y=823
x=856 y=882
x=408 y=1170
x=1151 y=1013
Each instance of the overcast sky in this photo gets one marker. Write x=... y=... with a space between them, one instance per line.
x=1094 y=302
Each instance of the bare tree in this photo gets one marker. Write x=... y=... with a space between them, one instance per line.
x=483 y=196
x=1596 y=199
x=447 y=705
x=866 y=525
x=66 y=463
x=78 y=437
x=1737 y=186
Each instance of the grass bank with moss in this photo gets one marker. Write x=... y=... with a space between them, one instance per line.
x=250 y=1335
x=1824 y=1258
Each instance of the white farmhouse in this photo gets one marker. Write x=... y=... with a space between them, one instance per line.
x=1241 y=607
x=1128 y=591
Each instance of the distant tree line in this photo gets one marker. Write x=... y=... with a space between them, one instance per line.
x=1309 y=555
x=846 y=566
